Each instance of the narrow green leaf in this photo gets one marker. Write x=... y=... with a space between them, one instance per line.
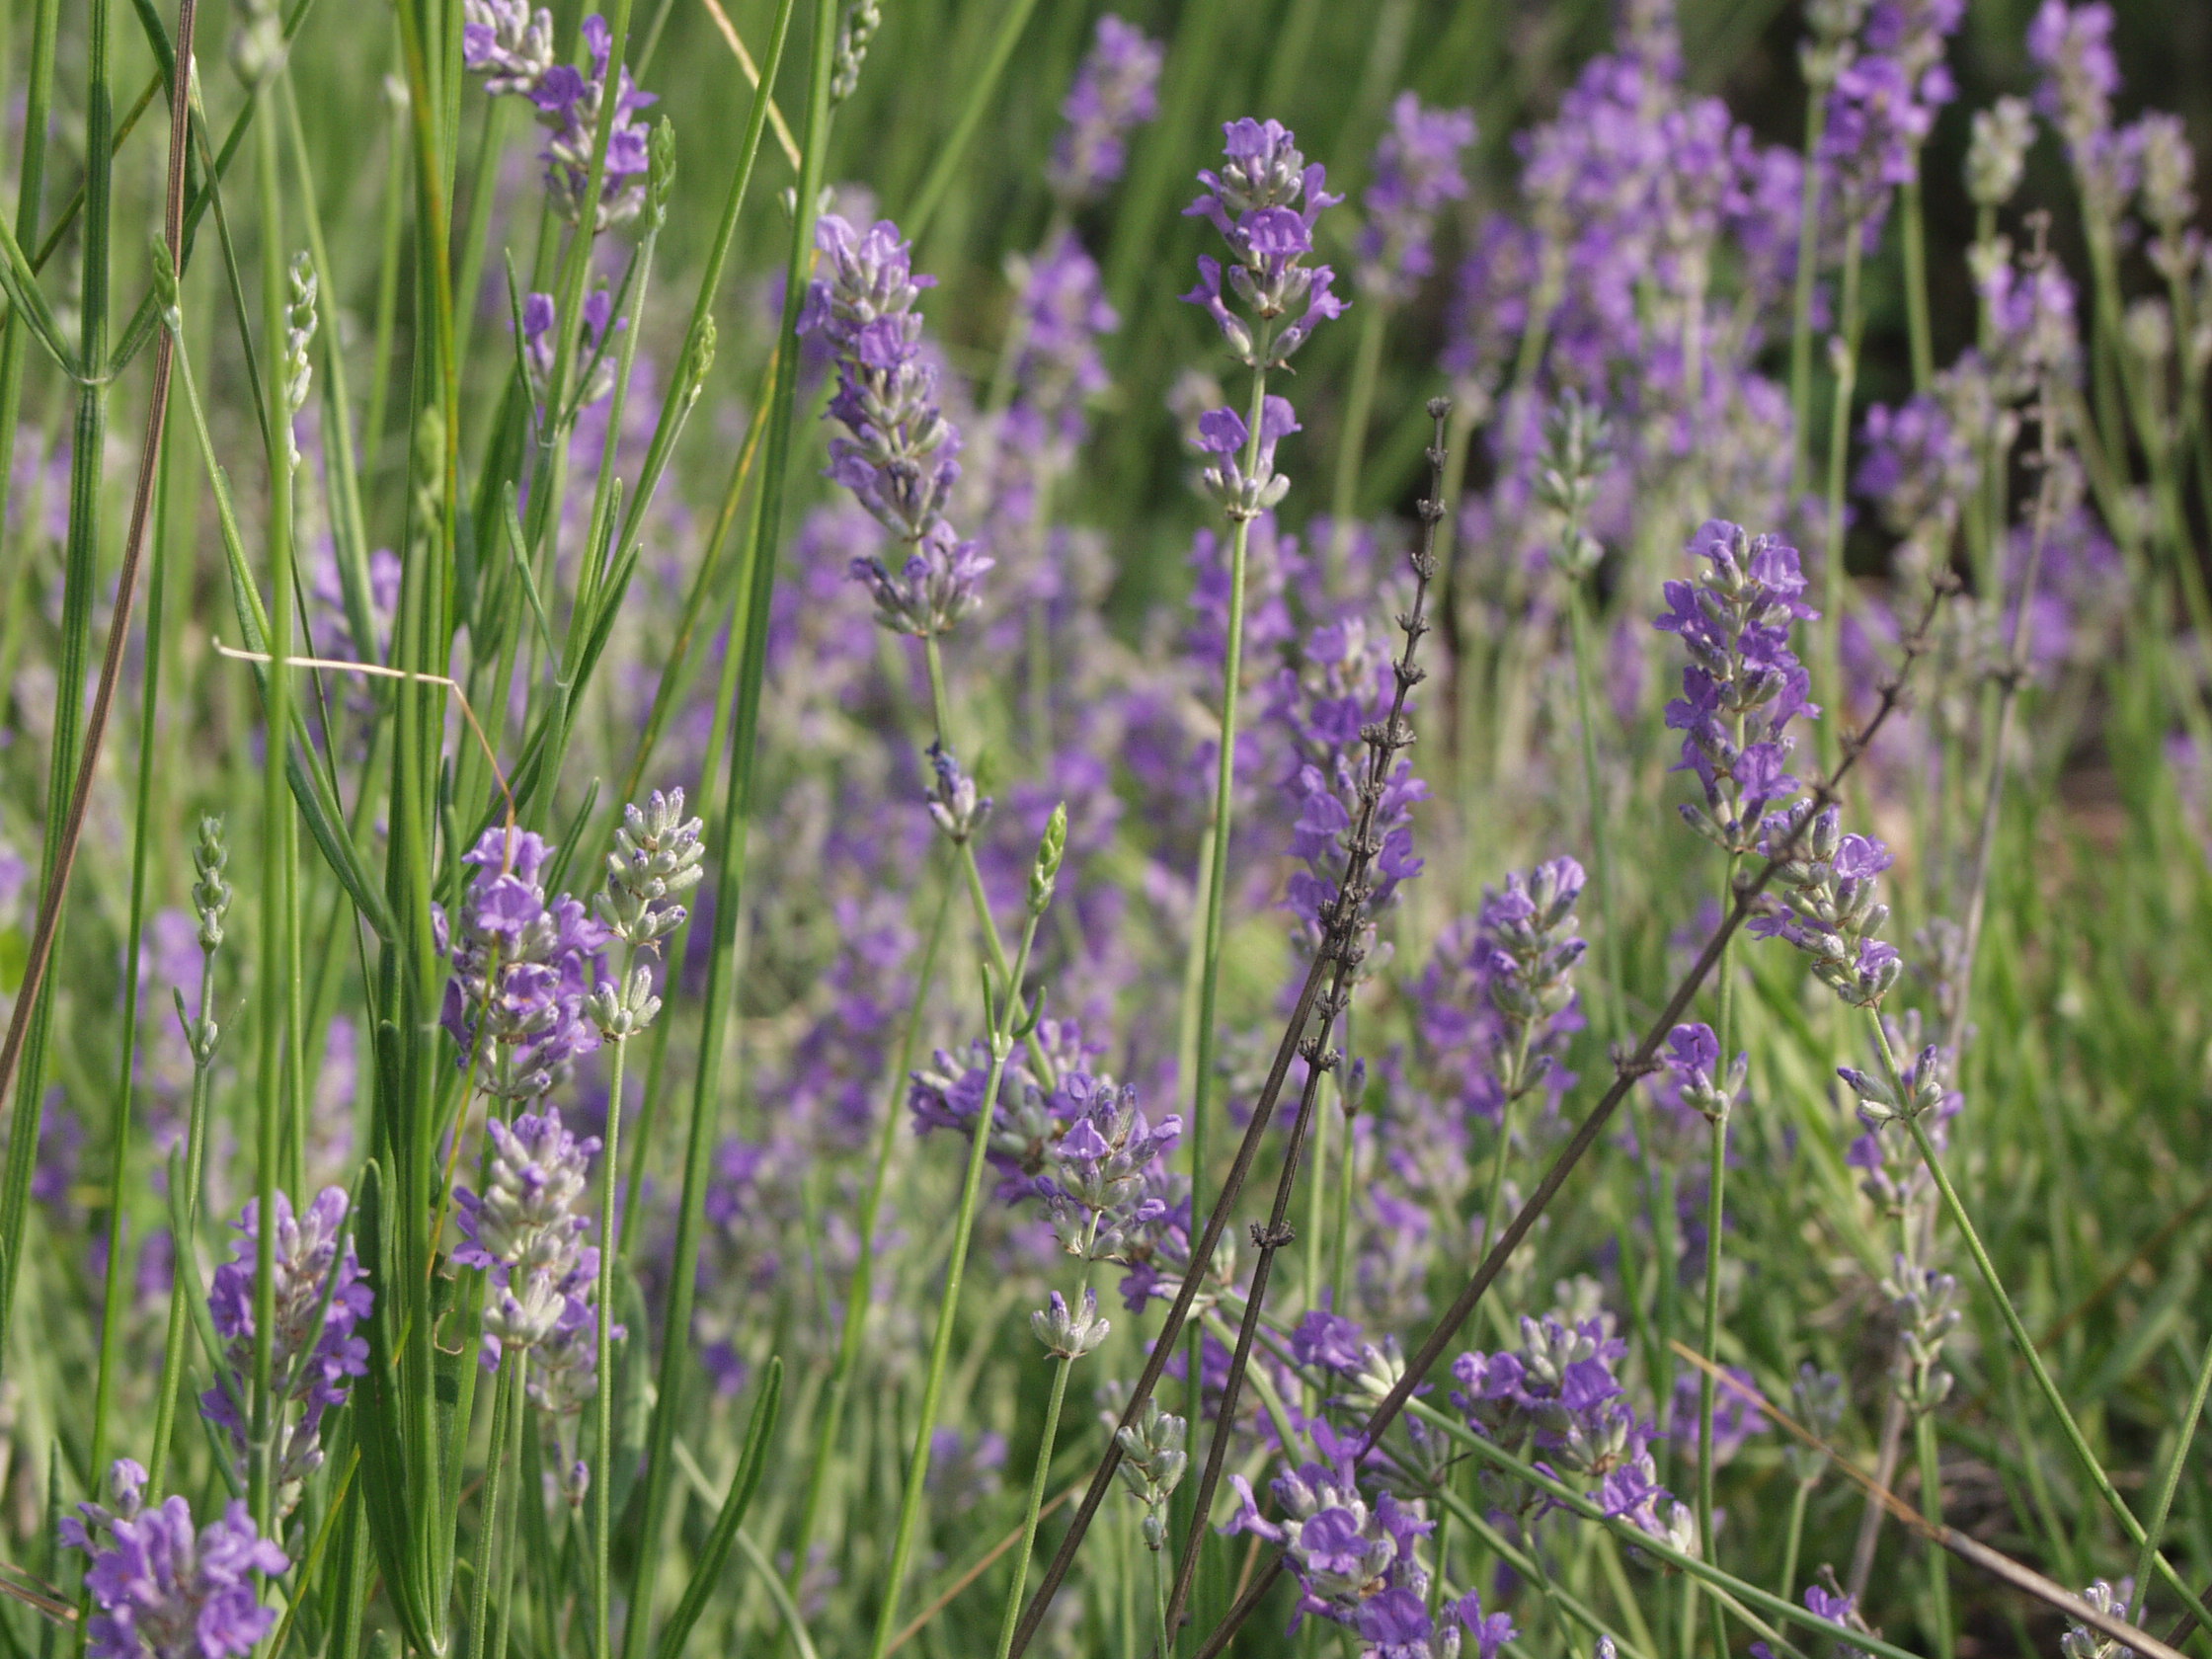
x=707 y=1570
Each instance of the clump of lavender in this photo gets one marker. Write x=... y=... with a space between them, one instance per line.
x=511 y=47
x=164 y=1588
x=1099 y=1186
x=2073 y=47
x=1497 y=997
x=1743 y=685
x=1116 y=89
x=1826 y=901
x=898 y=452
x=1264 y=202
x=522 y=970
x=956 y=806
x=319 y=1296
x=526 y=1232
x=1557 y=1399
x=1416 y=173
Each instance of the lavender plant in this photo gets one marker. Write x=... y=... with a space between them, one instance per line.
x=678 y=896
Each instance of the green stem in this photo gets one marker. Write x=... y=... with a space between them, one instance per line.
x=1610 y=992
x=1794 y=1538
x=2171 y=1483
x=113 y=1298
x=1211 y=912
x=277 y=895
x=1009 y=997
x=1931 y=1506
x=955 y=147
x=486 y=1532
x=1041 y=1474
x=1913 y=235
x=602 y=1392
x=2022 y=1339
x=1351 y=444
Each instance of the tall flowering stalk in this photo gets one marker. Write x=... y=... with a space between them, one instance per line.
x=1007 y=1013
x=1741 y=688
x=657 y=856
x=1264 y=202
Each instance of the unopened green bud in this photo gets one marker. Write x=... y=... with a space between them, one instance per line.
x=1050 y=850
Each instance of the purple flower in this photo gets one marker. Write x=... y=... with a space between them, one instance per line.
x=1116 y=91
x=319 y=1297
x=1416 y=172
x=523 y=969
x=1825 y=900
x=1878 y=116
x=1735 y=1414
x=163 y=1590
x=898 y=455
x=1345 y=1552
x=1743 y=683
x=1100 y=1184
x=1264 y=202
x=1222 y=435
x=1491 y=1633
x=507 y=43
x=511 y=47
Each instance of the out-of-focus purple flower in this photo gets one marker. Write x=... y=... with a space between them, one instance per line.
x=164 y=1590
x=2030 y=304
x=319 y=1296
x=2073 y=47
x=507 y=43
x=1918 y=466
x=1264 y=202
x=898 y=452
x=1736 y=1416
x=964 y=1468
x=1416 y=172
x=1346 y=685
x=1115 y=92
x=1061 y=312
x=1489 y=1633
x=1878 y=116
x=594 y=352
x=522 y=968
x=1743 y=685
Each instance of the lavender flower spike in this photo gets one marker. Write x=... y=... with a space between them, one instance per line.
x=1826 y=903
x=1264 y=202
x=1744 y=684
x=522 y=967
x=163 y=1590
x=898 y=452
x=1116 y=91
x=320 y=1296
x=1416 y=172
